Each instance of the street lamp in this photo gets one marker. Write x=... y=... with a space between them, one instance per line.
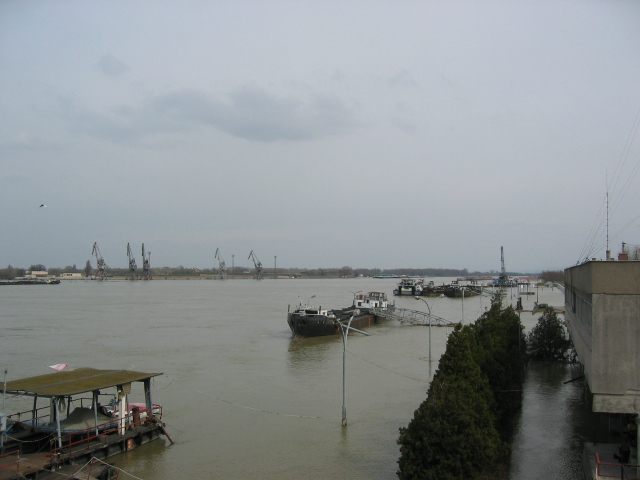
x=345 y=333
x=429 y=308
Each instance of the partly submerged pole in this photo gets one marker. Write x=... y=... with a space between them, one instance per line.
x=4 y=397
x=429 y=308
x=345 y=333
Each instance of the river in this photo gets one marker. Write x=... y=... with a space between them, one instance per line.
x=243 y=399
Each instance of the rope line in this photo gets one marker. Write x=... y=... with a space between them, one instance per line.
x=384 y=368
x=112 y=466
x=259 y=409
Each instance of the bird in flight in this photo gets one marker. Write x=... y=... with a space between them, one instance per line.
x=42 y=205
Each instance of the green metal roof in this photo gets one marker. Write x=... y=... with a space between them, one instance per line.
x=72 y=382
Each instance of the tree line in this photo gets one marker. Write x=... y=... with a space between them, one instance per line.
x=462 y=430
x=344 y=272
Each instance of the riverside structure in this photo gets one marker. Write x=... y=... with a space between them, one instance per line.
x=602 y=310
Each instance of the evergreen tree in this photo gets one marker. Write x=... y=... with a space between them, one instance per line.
x=452 y=434
x=547 y=339
x=502 y=357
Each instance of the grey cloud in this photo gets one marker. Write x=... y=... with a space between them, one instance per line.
x=403 y=78
x=111 y=66
x=26 y=142
x=251 y=114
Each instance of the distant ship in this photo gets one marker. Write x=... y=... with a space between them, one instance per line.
x=409 y=286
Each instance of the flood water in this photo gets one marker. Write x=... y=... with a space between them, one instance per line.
x=243 y=399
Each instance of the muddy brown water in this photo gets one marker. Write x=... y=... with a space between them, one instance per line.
x=243 y=399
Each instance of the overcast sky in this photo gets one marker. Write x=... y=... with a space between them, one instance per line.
x=326 y=133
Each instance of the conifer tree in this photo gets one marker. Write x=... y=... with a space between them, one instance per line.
x=547 y=339
x=502 y=357
x=452 y=434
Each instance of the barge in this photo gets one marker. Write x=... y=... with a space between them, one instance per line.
x=409 y=286
x=73 y=427
x=307 y=321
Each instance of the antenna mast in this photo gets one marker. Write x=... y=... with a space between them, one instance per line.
x=608 y=254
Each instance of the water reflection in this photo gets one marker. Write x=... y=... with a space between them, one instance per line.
x=554 y=424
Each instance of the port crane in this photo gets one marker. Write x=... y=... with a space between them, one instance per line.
x=146 y=265
x=503 y=279
x=223 y=266
x=132 y=264
x=101 y=265
x=257 y=265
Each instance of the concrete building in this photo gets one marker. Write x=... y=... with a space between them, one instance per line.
x=602 y=309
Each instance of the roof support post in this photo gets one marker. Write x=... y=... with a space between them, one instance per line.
x=637 y=442
x=95 y=409
x=57 y=404
x=122 y=410
x=34 y=413
x=147 y=397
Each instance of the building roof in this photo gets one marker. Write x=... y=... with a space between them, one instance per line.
x=72 y=382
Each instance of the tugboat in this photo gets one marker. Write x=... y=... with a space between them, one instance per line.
x=308 y=321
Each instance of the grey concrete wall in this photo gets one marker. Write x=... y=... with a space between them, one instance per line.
x=616 y=278
x=610 y=353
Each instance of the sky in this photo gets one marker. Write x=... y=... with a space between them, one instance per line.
x=319 y=134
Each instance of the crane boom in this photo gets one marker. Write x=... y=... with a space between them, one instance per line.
x=257 y=265
x=132 y=264
x=222 y=266
x=101 y=266
x=146 y=265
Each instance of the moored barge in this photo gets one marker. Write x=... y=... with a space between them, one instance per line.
x=308 y=321
x=76 y=429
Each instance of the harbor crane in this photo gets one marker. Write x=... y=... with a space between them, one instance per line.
x=257 y=265
x=101 y=265
x=132 y=264
x=222 y=266
x=146 y=265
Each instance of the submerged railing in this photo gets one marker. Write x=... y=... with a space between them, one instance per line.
x=101 y=432
x=415 y=317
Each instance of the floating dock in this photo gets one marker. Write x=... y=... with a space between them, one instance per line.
x=72 y=430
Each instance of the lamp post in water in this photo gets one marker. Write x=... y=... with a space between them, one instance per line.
x=345 y=333
x=429 y=308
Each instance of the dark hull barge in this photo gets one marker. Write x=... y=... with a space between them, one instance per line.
x=317 y=323
x=306 y=321
x=72 y=429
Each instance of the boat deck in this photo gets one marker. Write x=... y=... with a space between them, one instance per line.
x=14 y=465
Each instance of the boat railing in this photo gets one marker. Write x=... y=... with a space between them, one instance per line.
x=43 y=414
x=14 y=465
x=616 y=470
x=79 y=439
x=28 y=415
